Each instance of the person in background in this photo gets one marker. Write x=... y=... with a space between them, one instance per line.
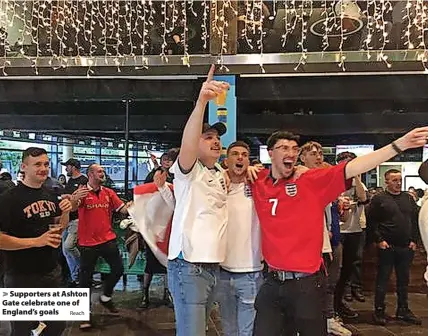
x=257 y=163
x=351 y=203
x=393 y=217
x=69 y=238
x=165 y=164
x=28 y=238
x=379 y=190
x=95 y=234
x=19 y=177
x=5 y=182
x=53 y=185
x=2 y=169
x=154 y=160
x=153 y=266
x=62 y=180
x=312 y=157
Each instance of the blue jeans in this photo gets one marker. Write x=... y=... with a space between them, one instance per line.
x=192 y=287
x=236 y=295
x=70 y=249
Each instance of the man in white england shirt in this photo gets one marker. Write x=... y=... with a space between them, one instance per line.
x=240 y=273
x=197 y=243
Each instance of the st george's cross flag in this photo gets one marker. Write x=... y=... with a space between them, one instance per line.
x=152 y=215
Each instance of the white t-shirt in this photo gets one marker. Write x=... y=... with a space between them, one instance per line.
x=423 y=228
x=243 y=232
x=326 y=244
x=200 y=216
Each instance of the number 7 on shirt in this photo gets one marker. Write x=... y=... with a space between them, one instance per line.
x=274 y=202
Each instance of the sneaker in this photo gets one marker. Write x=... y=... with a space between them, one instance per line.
x=347 y=312
x=358 y=295
x=39 y=330
x=73 y=284
x=86 y=325
x=97 y=284
x=406 y=315
x=348 y=294
x=335 y=328
x=145 y=302
x=379 y=316
x=109 y=305
x=339 y=320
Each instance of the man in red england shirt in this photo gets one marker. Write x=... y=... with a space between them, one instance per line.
x=96 y=236
x=291 y=213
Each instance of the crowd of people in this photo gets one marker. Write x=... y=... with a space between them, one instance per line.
x=279 y=249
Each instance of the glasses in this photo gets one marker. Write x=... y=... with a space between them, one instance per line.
x=285 y=148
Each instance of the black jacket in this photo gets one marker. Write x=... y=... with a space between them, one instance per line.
x=393 y=218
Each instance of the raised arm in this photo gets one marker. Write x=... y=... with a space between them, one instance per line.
x=193 y=129
x=414 y=139
x=164 y=190
x=360 y=191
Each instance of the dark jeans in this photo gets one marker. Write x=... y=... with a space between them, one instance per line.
x=399 y=258
x=350 y=243
x=333 y=273
x=284 y=308
x=88 y=259
x=49 y=280
x=356 y=277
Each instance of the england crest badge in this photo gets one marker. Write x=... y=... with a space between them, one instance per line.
x=247 y=191
x=291 y=189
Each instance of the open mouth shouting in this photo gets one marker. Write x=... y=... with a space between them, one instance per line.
x=239 y=168
x=288 y=163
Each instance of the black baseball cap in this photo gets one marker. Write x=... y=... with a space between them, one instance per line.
x=72 y=162
x=218 y=126
x=423 y=171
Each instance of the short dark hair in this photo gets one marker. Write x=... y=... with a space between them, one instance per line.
x=5 y=176
x=255 y=161
x=391 y=171
x=345 y=156
x=238 y=143
x=33 y=152
x=281 y=135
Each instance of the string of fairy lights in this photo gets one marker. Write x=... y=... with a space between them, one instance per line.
x=62 y=30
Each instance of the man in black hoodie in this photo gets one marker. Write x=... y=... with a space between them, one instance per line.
x=393 y=217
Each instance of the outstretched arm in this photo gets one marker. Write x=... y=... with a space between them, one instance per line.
x=193 y=129
x=414 y=139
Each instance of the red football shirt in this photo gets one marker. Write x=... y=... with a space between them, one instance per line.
x=291 y=214
x=95 y=213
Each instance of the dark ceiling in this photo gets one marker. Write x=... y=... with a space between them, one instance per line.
x=337 y=109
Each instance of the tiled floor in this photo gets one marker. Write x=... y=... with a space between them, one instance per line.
x=159 y=320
